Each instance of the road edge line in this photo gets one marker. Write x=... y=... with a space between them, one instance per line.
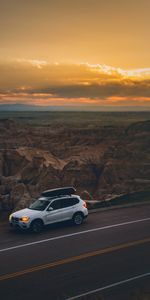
x=109 y=286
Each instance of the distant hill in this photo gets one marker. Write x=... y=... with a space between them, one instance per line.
x=18 y=107
x=26 y=107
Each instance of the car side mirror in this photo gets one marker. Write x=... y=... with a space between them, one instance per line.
x=50 y=208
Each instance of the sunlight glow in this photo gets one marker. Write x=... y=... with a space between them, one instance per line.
x=37 y=63
x=102 y=68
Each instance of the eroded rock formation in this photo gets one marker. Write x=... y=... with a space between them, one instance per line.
x=103 y=160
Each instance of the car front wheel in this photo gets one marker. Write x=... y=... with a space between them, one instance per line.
x=78 y=219
x=37 y=226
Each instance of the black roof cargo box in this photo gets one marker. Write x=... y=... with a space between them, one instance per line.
x=59 y=192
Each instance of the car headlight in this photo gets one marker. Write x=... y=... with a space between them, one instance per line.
x=25 y=219
x=10 y=217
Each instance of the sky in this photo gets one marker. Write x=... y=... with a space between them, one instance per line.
x=75 y=53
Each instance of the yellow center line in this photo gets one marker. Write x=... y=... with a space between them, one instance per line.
x=74 y=258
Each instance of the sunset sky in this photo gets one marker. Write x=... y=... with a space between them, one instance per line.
x=75 y=53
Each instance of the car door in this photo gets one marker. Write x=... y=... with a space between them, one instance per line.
x=69 y=207
x=54 y=212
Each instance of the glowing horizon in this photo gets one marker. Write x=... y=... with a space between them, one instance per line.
x=41 y=83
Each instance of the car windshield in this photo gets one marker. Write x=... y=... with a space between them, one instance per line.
x=39 y=204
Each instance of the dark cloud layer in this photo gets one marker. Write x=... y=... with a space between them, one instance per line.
x=102 y=91
x=39 y=80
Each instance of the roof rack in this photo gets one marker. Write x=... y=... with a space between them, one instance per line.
x=68 y=191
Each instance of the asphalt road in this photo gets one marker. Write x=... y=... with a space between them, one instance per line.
x=106 y=258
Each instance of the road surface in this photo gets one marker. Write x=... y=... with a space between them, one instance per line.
x=107 y=258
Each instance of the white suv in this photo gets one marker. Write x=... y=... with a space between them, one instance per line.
x=50 y=209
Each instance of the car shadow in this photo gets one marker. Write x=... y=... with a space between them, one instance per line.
x=46 y=228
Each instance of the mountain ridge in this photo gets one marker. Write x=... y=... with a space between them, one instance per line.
x=29 y=107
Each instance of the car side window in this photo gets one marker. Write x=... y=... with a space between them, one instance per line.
x=67 y=202
x=56 y=204
x=75 y=201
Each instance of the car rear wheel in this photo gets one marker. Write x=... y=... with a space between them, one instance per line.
x=37 y=226
x=78 y=218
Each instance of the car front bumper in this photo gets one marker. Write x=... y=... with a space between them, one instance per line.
x=19 y=225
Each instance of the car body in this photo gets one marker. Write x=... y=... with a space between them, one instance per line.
x=49 y=210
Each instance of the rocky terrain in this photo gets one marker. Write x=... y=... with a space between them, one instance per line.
x=107 y=160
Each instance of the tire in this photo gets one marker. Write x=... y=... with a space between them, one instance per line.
x=78 y=219
x=37 y=226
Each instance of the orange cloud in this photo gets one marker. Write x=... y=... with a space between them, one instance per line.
x=40 y=83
